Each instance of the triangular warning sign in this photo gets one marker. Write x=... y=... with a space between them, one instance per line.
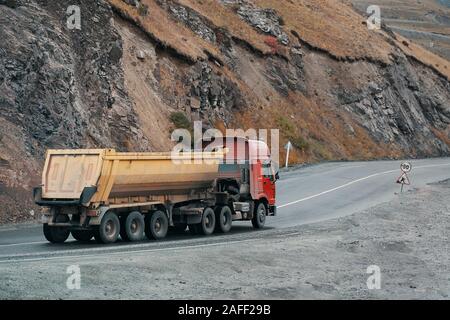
x=404 y=179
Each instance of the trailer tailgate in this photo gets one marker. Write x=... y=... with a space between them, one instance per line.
x=67 y=172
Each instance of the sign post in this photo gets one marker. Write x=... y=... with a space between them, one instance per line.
x=406 y=168
x=288 y=147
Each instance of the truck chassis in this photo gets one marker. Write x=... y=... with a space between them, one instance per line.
x=152 y=219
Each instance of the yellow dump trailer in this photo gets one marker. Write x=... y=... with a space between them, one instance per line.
x=105 y=194
x=106 y=177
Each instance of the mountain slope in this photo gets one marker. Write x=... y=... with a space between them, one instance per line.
x=310 y=68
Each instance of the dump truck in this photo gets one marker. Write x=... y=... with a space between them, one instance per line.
x=107 y=194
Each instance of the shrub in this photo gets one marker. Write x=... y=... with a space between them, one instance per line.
x=272 y=42
x=143 y=10
x=180 y=120
x=299 y=143
x=289 y=130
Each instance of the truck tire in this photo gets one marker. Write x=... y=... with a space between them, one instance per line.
x=156 y=225
x=259 y=217
x=82 y=235
x=208 y=224
x=57 y=234
x=109 y=229
x=133 y=226
x=224 y=219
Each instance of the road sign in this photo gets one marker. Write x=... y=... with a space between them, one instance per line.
x=288 y=147
x=406 y=167
x=404 y=179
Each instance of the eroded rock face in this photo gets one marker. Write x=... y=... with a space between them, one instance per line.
x=218 y=96
x=266 y=20
x=402 y=107
x=64 y=86
x=191 y=19
x=61 y=88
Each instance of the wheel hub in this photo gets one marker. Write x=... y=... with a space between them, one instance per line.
x=157 y=225
x=109 y=228
x=134 y=226
x=262 y=215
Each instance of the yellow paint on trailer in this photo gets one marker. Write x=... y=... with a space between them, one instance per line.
x=127 y=176
x=67 y=172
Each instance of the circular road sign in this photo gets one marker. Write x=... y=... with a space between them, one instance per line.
x=406 y=167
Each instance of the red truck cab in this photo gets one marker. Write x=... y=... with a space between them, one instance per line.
x=252 y=156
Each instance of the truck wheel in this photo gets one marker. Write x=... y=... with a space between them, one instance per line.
x=133 y=227
x=109 y=229
x=224 y=219
x=82 y=235
x=156 y=225
x=208 y=223
x=56 y=234
x=259 y=217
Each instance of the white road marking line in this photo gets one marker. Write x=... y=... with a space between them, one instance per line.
x=205 y=245
x=21 y=244
x=194 y=246
x=353 y=182
x=100 y=249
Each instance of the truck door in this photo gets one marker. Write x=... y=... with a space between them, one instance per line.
x=269 y=181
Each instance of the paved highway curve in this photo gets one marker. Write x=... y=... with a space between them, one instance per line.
x=306 y=195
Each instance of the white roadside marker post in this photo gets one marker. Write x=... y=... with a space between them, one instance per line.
x=288 y=147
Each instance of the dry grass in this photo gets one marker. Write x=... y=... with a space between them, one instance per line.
x=332 y=26
x=428 y=58
x=328 y=25
x=224 y=17
x=169 y=33
x=323 y=24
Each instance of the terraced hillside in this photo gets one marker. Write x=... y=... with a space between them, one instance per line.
x=425 y=22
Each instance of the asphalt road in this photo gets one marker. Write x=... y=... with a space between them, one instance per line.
x=305 y=195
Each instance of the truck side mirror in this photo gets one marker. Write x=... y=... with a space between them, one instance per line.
x=277 y=176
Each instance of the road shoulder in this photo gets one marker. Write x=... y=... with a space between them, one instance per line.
x=406 y=238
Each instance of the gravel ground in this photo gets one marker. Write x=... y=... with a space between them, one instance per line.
x=407 y=238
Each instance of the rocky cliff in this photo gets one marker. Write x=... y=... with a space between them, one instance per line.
x=313 y=69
